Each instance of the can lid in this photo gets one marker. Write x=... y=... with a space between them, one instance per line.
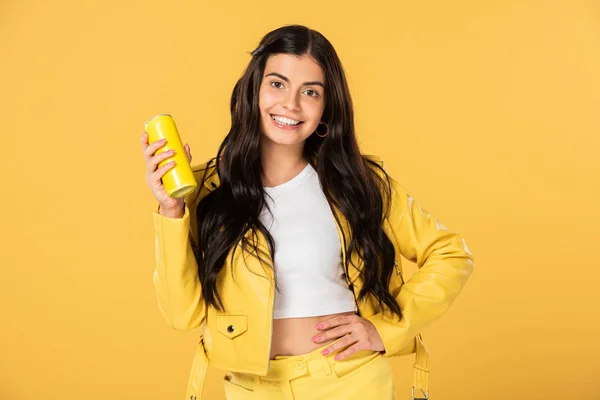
x=183 y=191
x=157 y=115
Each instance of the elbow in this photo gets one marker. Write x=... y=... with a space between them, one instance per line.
x=186 y=324
x=183 y=310
x=177 y=323
x=181 y=326
x=460 y=251
x=189 y=317
x=469 y=259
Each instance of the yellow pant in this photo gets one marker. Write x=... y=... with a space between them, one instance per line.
x=363 y=375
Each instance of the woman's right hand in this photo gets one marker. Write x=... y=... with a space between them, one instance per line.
x=154 y=174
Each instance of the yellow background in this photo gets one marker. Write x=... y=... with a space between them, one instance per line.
x=487 y=112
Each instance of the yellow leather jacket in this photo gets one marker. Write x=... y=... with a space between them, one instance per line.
x=240 y=339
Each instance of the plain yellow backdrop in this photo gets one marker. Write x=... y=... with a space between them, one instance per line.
x=486 y=111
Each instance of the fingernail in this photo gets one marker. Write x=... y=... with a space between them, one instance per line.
x=324 y=352
x=337 y=357
x=318 y=338
x=320 y=326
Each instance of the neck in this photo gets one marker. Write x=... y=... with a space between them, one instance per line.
x=280 y=163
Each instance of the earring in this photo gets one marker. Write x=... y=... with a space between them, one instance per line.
x=326 y=130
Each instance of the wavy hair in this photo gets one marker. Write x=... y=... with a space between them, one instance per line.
x=348 y=179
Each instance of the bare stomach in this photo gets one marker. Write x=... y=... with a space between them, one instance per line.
x=293 y=336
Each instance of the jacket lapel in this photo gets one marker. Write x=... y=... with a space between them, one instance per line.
x=342 y=225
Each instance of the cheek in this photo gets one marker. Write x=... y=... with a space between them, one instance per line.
x=314 y=111
x=267 y=100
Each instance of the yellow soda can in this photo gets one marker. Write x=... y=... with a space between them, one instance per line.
x=179 y=181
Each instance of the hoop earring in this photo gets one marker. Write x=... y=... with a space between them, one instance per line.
x=326 y=130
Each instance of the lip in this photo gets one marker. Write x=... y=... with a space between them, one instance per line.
x=284 y=127
x=287 y=116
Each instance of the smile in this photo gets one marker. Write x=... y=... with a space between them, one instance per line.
x=285 y=123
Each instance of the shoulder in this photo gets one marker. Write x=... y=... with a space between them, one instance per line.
x=373 y=159
x=376 y=164
x=395 y=191
x=205 y=173
x=207 y=168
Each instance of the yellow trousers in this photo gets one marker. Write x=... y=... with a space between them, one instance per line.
x=312 y=376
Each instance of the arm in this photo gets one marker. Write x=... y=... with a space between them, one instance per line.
x=445 y=263
x=175 y=278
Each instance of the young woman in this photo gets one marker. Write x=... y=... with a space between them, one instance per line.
x=288 y=252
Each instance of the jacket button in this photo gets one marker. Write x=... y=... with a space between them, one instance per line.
x=230 y=328
x=192 y=397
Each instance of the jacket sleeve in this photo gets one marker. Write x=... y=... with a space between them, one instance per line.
x=175 y=277
x=444 y=261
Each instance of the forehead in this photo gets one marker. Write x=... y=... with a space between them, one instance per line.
x=295 y=68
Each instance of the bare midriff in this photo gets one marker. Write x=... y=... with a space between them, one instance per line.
x=294 y=336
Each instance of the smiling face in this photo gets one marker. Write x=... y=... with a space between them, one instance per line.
x=291 y=87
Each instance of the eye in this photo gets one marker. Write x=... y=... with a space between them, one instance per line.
x=276 y=83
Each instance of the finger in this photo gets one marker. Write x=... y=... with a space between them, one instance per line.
x=349 y=351
x=144 y=140
x=152 y=147
x=157 y=159
x=335 y=321
x=188 y=152
x=333 y=333
x=158 y=174
x=339 y=345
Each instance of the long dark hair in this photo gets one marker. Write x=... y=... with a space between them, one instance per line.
x=228 y=213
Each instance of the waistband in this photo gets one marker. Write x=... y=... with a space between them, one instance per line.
x=286 y=368
x=290 y=367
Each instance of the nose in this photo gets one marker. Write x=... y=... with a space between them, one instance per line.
x=291 y=102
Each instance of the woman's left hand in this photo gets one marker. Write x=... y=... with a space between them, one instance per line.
x=360 y=334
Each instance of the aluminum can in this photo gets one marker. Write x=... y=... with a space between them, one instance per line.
x=179 y=181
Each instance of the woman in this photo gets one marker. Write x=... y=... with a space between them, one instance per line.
x=288 y=252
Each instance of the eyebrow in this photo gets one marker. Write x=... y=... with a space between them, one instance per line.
x=287 y=80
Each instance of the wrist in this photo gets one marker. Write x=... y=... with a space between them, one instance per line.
x=173 y=212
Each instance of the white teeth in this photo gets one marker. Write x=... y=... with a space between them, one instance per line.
x=284 y=120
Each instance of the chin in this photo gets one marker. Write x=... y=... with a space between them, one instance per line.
x=283 y=138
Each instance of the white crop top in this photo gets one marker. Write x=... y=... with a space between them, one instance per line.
x=308 y=263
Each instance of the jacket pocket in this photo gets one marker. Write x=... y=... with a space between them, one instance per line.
x=231 y=325
x=233 y=346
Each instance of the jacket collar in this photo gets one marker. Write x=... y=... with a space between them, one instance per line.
x=213 y=181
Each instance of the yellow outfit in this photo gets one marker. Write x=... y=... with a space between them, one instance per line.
x=239 y=340
x=312 y=376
